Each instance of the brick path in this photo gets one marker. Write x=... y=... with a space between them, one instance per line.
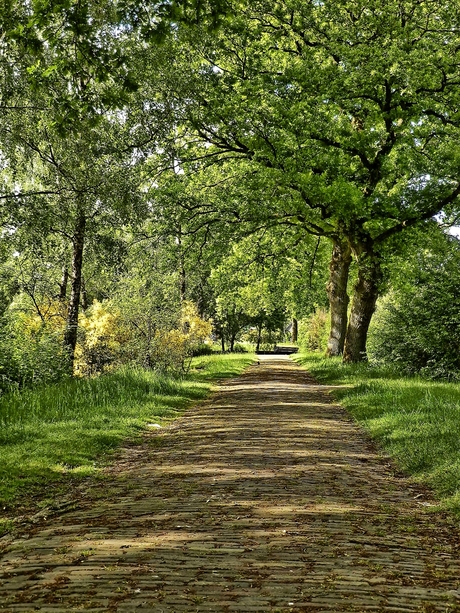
x=265 y=498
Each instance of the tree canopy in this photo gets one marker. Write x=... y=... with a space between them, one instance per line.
x=219 y=154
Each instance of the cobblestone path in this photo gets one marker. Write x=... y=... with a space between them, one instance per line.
x=264 y=498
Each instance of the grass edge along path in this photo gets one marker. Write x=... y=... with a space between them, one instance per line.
x=56 y=435
x=414 y=420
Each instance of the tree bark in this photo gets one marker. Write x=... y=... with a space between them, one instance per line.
x=339 y=268
x=365 y=296
x=78 y=243
x=182 y=273
x=63 y=284
x=295 y=330
x=259 y=336
x=84 y=295
x=183 y=285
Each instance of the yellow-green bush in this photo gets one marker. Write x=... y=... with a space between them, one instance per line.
x=313 y=331
x=100 y=339
x=171 y=349
x=31 y=347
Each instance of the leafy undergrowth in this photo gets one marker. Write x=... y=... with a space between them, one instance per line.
x=63 y=432
x=415 y=421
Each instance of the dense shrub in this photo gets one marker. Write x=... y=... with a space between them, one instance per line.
x=31 y=349
x=313 y=331
x=203 y=349
x=163 y=341
x=417 y=324
x=239 y=348
x=100 y=339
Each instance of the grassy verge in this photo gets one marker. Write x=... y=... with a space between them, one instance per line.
x=66 y=431
x=414 y=420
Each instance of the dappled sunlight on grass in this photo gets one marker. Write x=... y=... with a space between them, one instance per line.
x=69 y=428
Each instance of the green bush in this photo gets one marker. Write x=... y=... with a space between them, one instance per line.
x=417 y=325
x=266 y=347
x=30 y=359
x=314 y=330
x=203 y=349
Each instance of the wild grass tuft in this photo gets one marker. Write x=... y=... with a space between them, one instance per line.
x=68 y=428
x=416 y=421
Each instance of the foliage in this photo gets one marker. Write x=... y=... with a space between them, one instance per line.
x=414 y=420
x=203 y=349
x=417 y=325
x=313 y=331
x=31 y=350
x=146 y=326
x=159 y=330
x=101 y=336
x=207 y=170
x=172 y=350
x=345 y=125
x=266 y=338
x=334 y=119
x=260 y=284
x=240 y=348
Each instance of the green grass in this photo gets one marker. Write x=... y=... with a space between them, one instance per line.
x=67 y=431
x=415 y=421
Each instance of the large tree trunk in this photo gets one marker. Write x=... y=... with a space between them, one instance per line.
x=294 y=330
x=78 y=243
x=365 y=296
x=339 y=268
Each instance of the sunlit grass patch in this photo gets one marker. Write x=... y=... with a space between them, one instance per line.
x=210 y=368
x=68 y=429
x=416 y=421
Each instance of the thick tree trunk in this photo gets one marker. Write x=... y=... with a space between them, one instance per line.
x=295 y=330
x=70 y=335
x=339 y=268
x=365 y=296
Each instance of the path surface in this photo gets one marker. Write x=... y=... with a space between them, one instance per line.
x=265 y=498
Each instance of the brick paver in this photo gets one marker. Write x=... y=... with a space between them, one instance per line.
x=264 y=498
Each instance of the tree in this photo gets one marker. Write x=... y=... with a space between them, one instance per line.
x=260 y=283
x=351 y=108
x=78 y=186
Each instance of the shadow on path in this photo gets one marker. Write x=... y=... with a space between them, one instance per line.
x=265 y=498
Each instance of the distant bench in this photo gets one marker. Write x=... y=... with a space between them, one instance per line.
x=280 y=351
